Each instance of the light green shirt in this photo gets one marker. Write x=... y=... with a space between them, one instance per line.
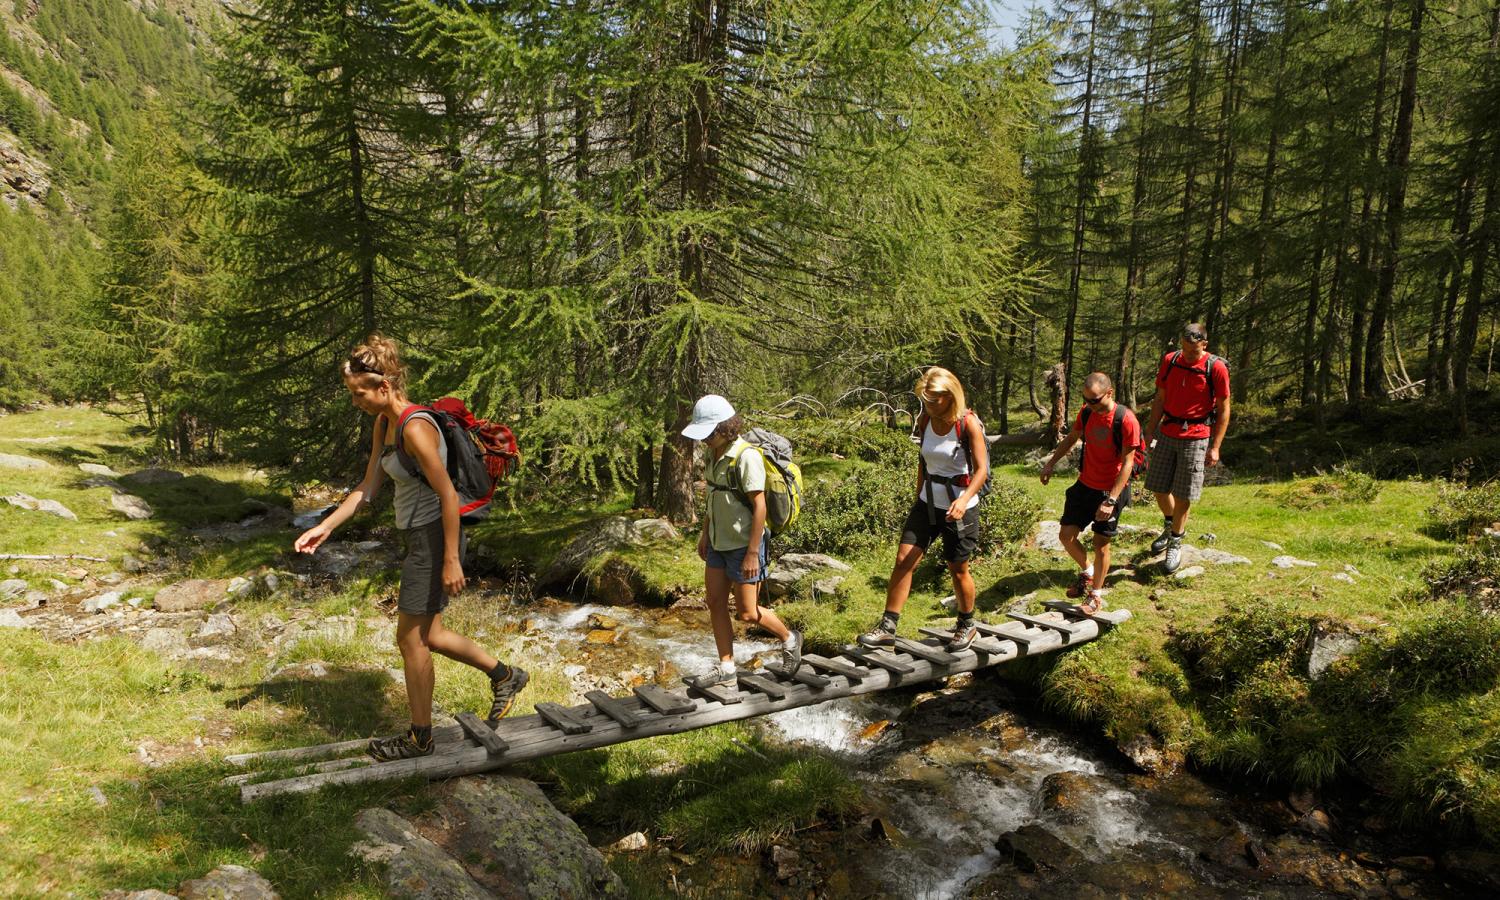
x=728 y=517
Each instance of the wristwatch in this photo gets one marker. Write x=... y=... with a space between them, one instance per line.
x=1107 y=501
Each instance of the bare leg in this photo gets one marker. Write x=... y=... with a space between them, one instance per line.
x=1164 y=502
x=1068 y=537
x=457 y=647
x=755 y=614
x=411 y=638
x=907 y=558
x=716 y=581
x=1180 y=514
x=1101 y=560
x=963 y=586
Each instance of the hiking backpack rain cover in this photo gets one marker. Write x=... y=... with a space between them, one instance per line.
x=480 y=453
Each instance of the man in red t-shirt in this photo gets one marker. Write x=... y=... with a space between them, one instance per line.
x=1110 y=434
x=1188 y=421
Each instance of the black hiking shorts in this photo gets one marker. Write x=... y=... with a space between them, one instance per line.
x=422 y=569
x=960 y=539
x=1081 y=502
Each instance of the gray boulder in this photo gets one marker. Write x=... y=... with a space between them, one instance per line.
x=228 y=883
x=152 y=894
x=132 y=506
x=24 y=463
x=97 y=469
x=793 y=567
x=51 y=507
x=12 y=587
x=415 y=868
x=1328 y=647
x=100 y=603
x=9 y=618
x=194 y=593
x=1291 y=562
x=166 y=641
x=1047 y=536
x=530 y=849
x=605 y=537
x=1211 y=556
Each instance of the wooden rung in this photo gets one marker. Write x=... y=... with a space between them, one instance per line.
x=482 y=733
x=663 y=701
x=883 y=660
x=613 y=708
x=1018 y=635
x=993 y=648
x=1069 y=631
x=1108 y=617
x=922 y=651
x=838 y=666
x=562 y=718
x=725 y=695
x=801 y=676
x=763 y=684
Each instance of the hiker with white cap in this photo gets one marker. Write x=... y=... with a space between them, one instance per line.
x=735 y=522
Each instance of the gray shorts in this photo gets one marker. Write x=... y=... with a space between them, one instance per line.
x=422 y=569
x=1177 y=467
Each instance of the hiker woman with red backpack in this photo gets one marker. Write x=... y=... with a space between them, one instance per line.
x=427 y=516
x=952 y=470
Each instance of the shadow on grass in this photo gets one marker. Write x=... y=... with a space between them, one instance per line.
x=999 y=595
x=344 y=705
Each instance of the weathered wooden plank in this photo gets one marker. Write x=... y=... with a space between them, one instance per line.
x=725 y=695
x=923 y=651
x=614 y=709
x=882 y=659
x=762 y=684
x=837 y=665
x=663 y=701
x=536 y=739
x=481 y=733
x=562 y=718
x=1011 y=632
x=1068 y=630
x=803 y=675
x=327 y=765
x=1105 y=616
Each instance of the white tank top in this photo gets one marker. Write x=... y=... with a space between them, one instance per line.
x=944 y=457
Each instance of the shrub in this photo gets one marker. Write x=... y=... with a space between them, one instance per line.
x=1237 y=644
x=1464 y=510
x=858 y=512
x=1339 y=486
x=1473 y=575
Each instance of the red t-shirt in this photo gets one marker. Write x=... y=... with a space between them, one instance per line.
x=1182 y=390
x=1101 y=458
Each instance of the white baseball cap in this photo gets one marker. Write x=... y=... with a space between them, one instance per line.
x=709 y=411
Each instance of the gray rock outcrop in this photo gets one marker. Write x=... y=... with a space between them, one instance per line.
x=132 y=506
x=24 y=463
x=415 y=868
x=228 y=882
x=52 y=507
x=153 y=475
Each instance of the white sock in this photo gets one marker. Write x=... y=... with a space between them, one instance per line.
x=791 y=641
x=1089 y=572
x=727 y=666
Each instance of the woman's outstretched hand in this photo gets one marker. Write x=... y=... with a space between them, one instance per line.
x=311 y=539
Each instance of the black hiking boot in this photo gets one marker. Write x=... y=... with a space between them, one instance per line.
x=503 y=692
x=402 y=746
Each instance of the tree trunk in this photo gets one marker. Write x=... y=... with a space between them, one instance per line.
x=1010 y=357
x=1190 y=175
x=1359 y=300
x=1084 y=187
x=1398 y=161
x=1135 y=274
x=1246 y=371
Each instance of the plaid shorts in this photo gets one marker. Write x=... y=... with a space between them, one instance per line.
x=1177 y=467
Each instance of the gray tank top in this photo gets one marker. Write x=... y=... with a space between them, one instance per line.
x=417 y=504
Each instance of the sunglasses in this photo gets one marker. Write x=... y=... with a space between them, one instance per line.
x=1194 y=336
x=361 y=367
x=1091 y=401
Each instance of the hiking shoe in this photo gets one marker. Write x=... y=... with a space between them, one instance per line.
x=503 y=692
x=1162 y=539
x=402 y=746
x=1093 y=604
x=1174 y=553
x=962 y=636
x=717 y=677
x=882 y=635
x=791 y=657
x=1080 y=587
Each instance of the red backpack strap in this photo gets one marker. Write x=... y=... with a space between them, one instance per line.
x=407 y=462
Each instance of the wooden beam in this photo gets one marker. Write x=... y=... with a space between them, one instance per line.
x=837 y=665
x=762 y=684
x=882 y=659
x=561 y=717
x=663 y=701
x=924 y=651
x=1069 y=631
x=481 y=733
x=803 y=675
x=614 y=709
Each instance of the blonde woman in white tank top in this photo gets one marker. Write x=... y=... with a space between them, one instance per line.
x=432 y=564
x=952 y=470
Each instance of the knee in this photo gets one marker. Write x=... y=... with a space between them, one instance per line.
x=1067 y=534
x=960 y=570
x=749 y=616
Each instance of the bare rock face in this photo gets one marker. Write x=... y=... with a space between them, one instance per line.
x=21 y=176
x=194 y=593
x=52 y=507
x=228 y=883
x=416 y=868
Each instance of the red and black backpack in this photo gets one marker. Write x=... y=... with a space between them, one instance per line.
x=480 y=453
x=1142 y=461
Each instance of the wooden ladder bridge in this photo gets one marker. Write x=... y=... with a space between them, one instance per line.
x=473 y=746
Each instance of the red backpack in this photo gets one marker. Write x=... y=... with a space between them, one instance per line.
x=480 y=453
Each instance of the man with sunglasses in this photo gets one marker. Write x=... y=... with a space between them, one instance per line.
x=1188 y=421
x=1110 y=434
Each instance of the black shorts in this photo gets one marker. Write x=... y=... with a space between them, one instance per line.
x=1083 y=501
x=960 y=539
x=422 y=591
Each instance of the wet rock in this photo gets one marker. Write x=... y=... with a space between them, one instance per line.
x=602 y=636
x=153 y=475
x=194 y=593
x=1415 y=863
x=1231 y=851
x=1032 y=847
x=51 y=507
x=1480 y=868
x=132 y=506
x=100 y=603
x=530 y=849
x=228 y=883
x=630 y=843
x=874 y=730
x=12 y=587
x=1047 y=536
x=23 y=463
x=97 y=469
x=666 y=674
x=793 y=567
x=1148 y=754
x=1328 y=647
x=1302 y=802
x=600 y=620
x=9 y=618
x=415 y=868
x=311 y=517
x=1189 y=572
x=786 y=862
x=1291 y=562
x=1065 y=793
x=1316 y=822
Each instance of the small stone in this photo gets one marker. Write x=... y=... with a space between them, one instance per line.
x=9 y=618
x=23 y=463
x=111 y=578
x=98 y=469
x=631 y=843
x=1344 y=577
x=98 y=796
x=102 y=602
x=828 y=586
x=1415 y=863
x=168 y=641
x=1272 y=545
x=228 y=883
x=603 y=636
x=1351 y=570
x=599 y=620
x=1329 y=647
x=132 y=564
x=874 y=730
x=788 y=862
x=1047 y=536
x=132 y=506
x=1208 y=537
x=12 y=587
x=1317 y=822
x=239 y=586
x=574 y=671
x=1288 y=562
x=51 y=507
x=217 y=625
x=1189 y=572
x=1302 y=802
x=367 y=546
x=194 y=593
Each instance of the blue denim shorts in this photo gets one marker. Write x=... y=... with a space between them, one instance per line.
x=731 y=561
